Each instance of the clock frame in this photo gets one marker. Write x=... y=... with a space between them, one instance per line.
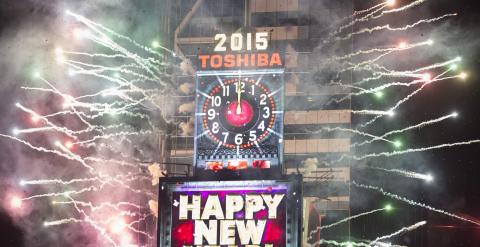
x=239 y=120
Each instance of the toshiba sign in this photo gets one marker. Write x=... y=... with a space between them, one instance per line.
x=240 y=51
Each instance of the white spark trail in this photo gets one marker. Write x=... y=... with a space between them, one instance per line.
x=375 y=242
x=354 y=131
x=401 y=231
x=372 y=112
x=408 y=97
x=387 y=27
x=413 y=203
x=403 y=8
x=319 y=228
x=405 y=173
x=417 y=126
x=374 y=50
x=407 y=151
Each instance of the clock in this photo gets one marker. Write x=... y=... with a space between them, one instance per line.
x=239 y=120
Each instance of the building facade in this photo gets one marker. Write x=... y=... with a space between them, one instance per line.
x=312 y=145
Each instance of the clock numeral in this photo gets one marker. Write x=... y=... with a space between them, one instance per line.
x=211 y=114
x=261 y=126
x=253 y=90
x=252 y=135
x=216 y=101
x=226 y=91
x=263 y=99
x=267 y=112
x=238 y=139
x=215 y=127
x=242 y=86
x=225 y=136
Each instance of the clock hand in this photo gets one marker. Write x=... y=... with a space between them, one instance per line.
x=239 y=97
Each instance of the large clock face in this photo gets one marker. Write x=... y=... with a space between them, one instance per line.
x=239 y=120
x=239 y=113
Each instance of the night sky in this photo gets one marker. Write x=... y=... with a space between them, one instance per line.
x=456 y=170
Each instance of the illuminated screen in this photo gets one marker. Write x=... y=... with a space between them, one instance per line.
x=239 y=120
x=257 y=213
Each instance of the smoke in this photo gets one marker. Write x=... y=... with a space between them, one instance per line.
x=310 y=165
x=362 y=70
x=28 y=39
x=187 y=107
x=186 y=67
x=187 y=128
x=186 y=88
x=37 y=27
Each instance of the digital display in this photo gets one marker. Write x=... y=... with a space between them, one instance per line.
x=231 y=213
x=239 y=120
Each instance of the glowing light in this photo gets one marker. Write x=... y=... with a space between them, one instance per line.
x=71 y=72
x=430 y=42
x=427 y=77
x=69 y=144
x=454 y=67
x=463 y=75
x=67 y=102
x=126 y=240
x=80 y=33
x=35 y=118
x=155 y=44
x=59 y=55
x=429 y=178
x=454 y=114
x=118 y=225
x=391 y=113
x=379 y=94
x=390 y=2
x=16 y=202
x=402 y=45
x=58 y=51
x=349 y=245
x=36 y=75
x=15 y=131
x=388 y=207
x=397 y=144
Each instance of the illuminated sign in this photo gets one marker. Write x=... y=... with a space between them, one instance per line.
x=239 y=120
x=230 y=213
x=237 y=42
x=242 y=51
x=255 y=60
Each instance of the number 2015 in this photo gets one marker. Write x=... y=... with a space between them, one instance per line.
x=237 y=41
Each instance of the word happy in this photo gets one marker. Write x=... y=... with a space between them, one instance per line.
x=222 y=228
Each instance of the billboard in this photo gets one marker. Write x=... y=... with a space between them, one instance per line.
x=230 y=213
x=239 y=120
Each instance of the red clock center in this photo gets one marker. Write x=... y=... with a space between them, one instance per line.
x=239 y=116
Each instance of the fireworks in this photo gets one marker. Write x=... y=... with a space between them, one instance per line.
x=16 y=202
x=136 y=82
x=95 y=128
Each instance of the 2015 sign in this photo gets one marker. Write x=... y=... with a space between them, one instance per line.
x=238 y=42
